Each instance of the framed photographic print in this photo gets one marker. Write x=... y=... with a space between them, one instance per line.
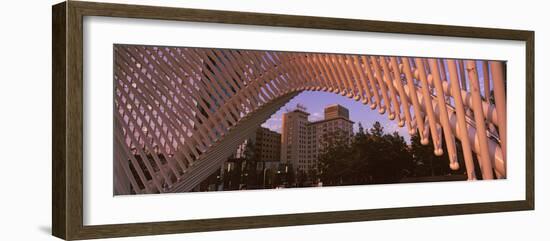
x=171 y=120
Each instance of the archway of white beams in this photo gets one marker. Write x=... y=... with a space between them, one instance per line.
x=180 y=112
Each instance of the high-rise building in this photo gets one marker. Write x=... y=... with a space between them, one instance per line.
x=303 y=141
x=294 y=136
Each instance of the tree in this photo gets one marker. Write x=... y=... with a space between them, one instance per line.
x=334 y=160
x=372 y=157
x=400 y=161
x=377 y=129
x=361 y=130
x=301 y=178
x=312 y=175
x=426 y=163
x=251 y=157
x=391 y=159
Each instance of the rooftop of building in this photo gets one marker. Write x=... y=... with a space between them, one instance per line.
x=264 y=129
x=333 y=105
x=297 y=110
x=331 y=119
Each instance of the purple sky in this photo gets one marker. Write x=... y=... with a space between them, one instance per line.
x=316 y=101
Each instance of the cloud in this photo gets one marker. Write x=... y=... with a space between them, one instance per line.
x=316 y=116
x=272 y=126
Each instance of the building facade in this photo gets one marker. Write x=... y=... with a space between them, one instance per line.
x=294 y=137
x=336 y=111
x=268 y=145
x=303 y=141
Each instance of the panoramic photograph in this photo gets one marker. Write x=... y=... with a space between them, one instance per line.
x=192 y=119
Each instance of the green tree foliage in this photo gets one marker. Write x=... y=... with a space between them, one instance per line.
x=371 y=157
x=426 y=163
x=374 y=157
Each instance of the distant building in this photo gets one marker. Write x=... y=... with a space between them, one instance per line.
x=303 y=141
x=336 y=111
x=294 y=137
x=268 y=145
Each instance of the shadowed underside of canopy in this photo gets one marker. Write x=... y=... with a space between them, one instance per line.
x=180 y=112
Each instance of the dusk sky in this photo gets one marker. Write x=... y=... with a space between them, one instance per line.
x=316 y=101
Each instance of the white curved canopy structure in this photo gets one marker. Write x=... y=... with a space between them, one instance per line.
x=180 y=112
